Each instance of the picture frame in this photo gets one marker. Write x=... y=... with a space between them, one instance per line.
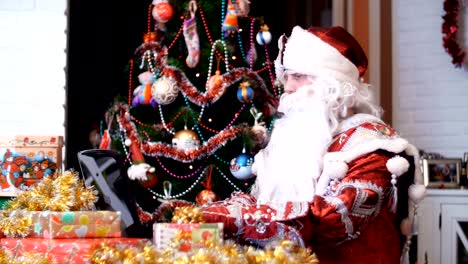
x=442 y=173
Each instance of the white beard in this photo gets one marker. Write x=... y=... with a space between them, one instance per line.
x=288 y=168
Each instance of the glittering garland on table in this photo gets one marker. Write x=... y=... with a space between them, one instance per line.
x=228 y=252
x=66 y=192
x=12 y=257
x=449 y=30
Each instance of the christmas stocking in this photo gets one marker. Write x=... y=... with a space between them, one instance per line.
x=192 y=41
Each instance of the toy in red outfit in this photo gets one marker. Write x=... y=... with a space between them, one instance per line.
x=334 y=176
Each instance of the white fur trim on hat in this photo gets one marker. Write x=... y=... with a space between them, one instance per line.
x=397 y=165
x=307 y=54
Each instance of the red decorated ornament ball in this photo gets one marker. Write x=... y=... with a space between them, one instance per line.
x=206 y=196
x=162 y=12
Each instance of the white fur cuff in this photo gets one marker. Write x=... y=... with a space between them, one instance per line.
x=335 y=169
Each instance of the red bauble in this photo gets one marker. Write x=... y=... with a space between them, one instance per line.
x=151 y=180
x=162 y=12
x=206 y=196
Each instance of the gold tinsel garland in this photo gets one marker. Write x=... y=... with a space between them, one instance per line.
x=284 y=252
x=63 y=192
x=9 y=257
x=187 y=215
x=212 y=253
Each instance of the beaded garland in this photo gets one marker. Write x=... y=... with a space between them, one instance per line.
x=154 y=56
x=202 y=98
x=181 y=194
x=168 y=151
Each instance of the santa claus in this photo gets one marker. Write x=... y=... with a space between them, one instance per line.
x=334 y=176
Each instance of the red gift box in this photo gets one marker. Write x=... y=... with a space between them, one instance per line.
x=64 y=250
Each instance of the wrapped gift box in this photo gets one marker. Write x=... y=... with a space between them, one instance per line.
x=186 y=236
x=64 y=250
x=24 y=160
x=77 y=224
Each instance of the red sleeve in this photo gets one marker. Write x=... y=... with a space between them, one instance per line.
x=342 y=212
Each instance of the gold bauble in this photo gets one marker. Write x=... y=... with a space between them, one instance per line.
x=186 y=140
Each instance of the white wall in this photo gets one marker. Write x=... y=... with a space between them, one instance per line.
x=32 y=61
x=430 y=95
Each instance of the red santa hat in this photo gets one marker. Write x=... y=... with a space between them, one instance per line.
x=318 y=51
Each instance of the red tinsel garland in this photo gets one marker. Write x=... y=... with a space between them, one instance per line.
x=450 y=29
x=262 y=95
x=168 y=151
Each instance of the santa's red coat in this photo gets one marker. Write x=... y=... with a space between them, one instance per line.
x=351 y=220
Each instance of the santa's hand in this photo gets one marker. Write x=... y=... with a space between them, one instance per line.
x=138 y=171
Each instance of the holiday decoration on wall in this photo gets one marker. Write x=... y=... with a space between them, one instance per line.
x=189 y=121
x=450 y=29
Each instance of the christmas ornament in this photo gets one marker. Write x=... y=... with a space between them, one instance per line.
x=139 y=170
x=244 y=7
x=162 y=149
x=449 y=30
x=259 y=133
x=231 y=23
x=164 y=90
x=252 y=56
x=207 y=195
x=162 y=11
x=105 y=140
x=215 y=81
x=241 y=166
x=263 y=36
x=245 y=93
x=142 y=94
x=186 y=140
x=151 y=179
x=191 y=37
x=234 y=75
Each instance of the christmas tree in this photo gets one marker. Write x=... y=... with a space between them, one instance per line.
x=201 y=100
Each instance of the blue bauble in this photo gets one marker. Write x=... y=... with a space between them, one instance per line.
x=241 y=166
x=245 y=94
x=263 y=37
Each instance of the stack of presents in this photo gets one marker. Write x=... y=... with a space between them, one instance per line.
x=49 y=216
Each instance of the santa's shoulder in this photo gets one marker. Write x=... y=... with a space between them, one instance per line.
x=362 y=134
